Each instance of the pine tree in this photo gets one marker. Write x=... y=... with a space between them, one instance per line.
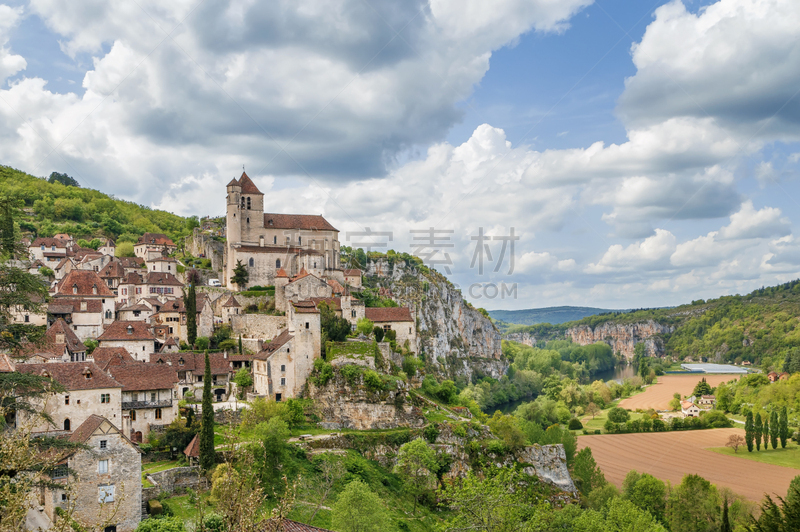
x=241 y=350
x=765 y=429
x=757 y=431
x=774 y=429
x=207 y=453
x=726 y=522
x=190 y=303
x=240 y=275
x=784 y=427
x=749 y=431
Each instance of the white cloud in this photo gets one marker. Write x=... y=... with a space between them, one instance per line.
x=751 y=223
x=10 y=63
x=648 y=254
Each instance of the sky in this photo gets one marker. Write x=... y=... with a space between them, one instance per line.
x=601 y=153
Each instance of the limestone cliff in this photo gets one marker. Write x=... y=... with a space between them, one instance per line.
x=454 y=338
x=623 y=337
x=525 y=338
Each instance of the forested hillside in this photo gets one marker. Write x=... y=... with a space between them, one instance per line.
x=53 y=207
x=554 y=315
x=761 y=326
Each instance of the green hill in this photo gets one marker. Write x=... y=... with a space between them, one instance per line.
x=554 y=315
x=52 y=207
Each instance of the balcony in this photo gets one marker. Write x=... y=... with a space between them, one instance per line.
x=133 y=405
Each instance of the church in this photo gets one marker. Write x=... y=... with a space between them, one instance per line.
x=269 y=243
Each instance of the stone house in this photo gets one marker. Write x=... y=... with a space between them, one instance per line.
x=230 y=308
x=352 y=277
x=132 y=264
x=282 y=367
x=172 y=315
x=398 y=319
x=61 y=340
x=772 y=376
x=707 y=401
x=148 y=391
x=95 y=262
x=191 y=370
x=86 y=285
x=108 y=248
x=134 y=336
x=137 y=286
x=347 y=307
x=105 y=480
x=49 y=250
x=152 y=245
x=89 y=390
x=84 y=316
x=113 y=273
x=301 y=287
x=135 y=312
x=162 y=265
x=110 y=356
x=61 y=269
x=266 y=242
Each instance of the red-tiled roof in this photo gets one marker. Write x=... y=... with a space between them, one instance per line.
x=310 y=222
x=305 y=307
x=142 y=376
x=87 y=428
x=336 y=286
x=131 y=262
x=194 y=362
x=71 y=341
x=233 y=183
x=111 y=356
x=281 y=273
x=127 y=330
x=352 y=272
x=69 y=306
x=232 y=302
x=73 y=375
x=159 y=239
x=274 y=345
x=113 y=270
x=193 y=449
x=85 y=281
x=248 y=187
x=387 y=314
x=49 y=242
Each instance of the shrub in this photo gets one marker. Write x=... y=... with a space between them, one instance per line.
x=322 y=373
x=575 y=424
x=202 y=343
x=618 y=415
x=431 y=433
x=214 y=523
x=351 y=373
x=365 y=326
x=154 y=507
x=229 y=345
x=378 y=332
x=410 y=365
x=373 y=381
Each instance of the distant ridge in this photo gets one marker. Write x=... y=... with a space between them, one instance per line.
x=554 y=315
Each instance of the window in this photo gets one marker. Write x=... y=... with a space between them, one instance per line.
x=158 y=413
x=67 y=424
x=387 y=328
x=277 y=262
x=105 y=397
x=63 y=497
x=278 y=397
x=353 y=313
x=110 y=528
x=299 y=239
x=283 y=381
x=248 y=219
x=248 y=204
x=274 y=239
x=108 y=314
x=106 y=494
x=59 y=471
x=283 y=367
x=153 y=397
x=102 y=467
x=42 y=247
x=133 y=415
x=104 y=444
x=27 y=318
x=251 y=262
x=66 y=399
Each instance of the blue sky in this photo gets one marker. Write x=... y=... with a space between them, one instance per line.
x=646 y=153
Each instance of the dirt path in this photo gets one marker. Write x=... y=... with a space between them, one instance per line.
x=671 y=455
x=659 y=395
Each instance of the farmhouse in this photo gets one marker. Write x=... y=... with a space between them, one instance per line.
x=689 y=409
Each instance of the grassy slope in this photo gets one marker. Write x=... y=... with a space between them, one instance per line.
x=788 y=457
x=83 y=212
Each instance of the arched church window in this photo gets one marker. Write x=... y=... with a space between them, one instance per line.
x=278 y=263
x=274 y=239
x=252 y=262
x=242 y=202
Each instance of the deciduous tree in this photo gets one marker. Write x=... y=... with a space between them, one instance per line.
x=416 y=464
x=734 y=442
x=359 y=509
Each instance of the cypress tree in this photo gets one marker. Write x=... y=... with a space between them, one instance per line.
x=757 y=431
x=726 y=523
x=748 y=431
x=7 y=241
x=765 y=429
x=774 y=429
x=784 y=427
x=241 y=351
x=207 y=453
x=190 y=302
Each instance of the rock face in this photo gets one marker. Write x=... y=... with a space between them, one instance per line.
x=525 y=338
x=623 y=337
x=203 y=245
x=454 y=337
x=343 y=405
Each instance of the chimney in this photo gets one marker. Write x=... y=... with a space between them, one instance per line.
x=225 y=354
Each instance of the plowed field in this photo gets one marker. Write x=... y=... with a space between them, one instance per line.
x=659 y=395
x=671 y=455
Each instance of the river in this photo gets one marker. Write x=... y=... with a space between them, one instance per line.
x=619 y=373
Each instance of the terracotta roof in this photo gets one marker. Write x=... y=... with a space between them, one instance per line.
x=73 y=375
x=87 y=428
x=85 y=281
x=71 y=341
x=69 y=306
x=193 y=449
x=138 y=306
x=113 y=269
x=142 y=376
x=281 y=273
x=111 y=356
x=53 y=254
x=194 y=362
x=708 y=397
x=127 y=330
x=170 y=342
x=352 y=272
x=233 y=183
x=6 y=364
x=231 y=302
x=333 y=302
x=155 y=238
x=49 y=242
x=162 y=278
x=309 y=222
x=287 y=525
x=384 y=314
x=131 y=262
x=305 y=307
x=686 y=404
x=336 y=286
x=274 y=345
x=248 y=187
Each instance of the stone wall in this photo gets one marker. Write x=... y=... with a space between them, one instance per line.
x=177 y=479
x=623 y=337
x=259 y=326
x=203 y=244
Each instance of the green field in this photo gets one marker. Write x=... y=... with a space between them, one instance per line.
x=788 y=457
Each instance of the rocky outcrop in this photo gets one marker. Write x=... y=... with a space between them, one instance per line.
x=202 y=244
x=345 y=405
x=525 y=338
x=623 y=337
x=453 y=337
